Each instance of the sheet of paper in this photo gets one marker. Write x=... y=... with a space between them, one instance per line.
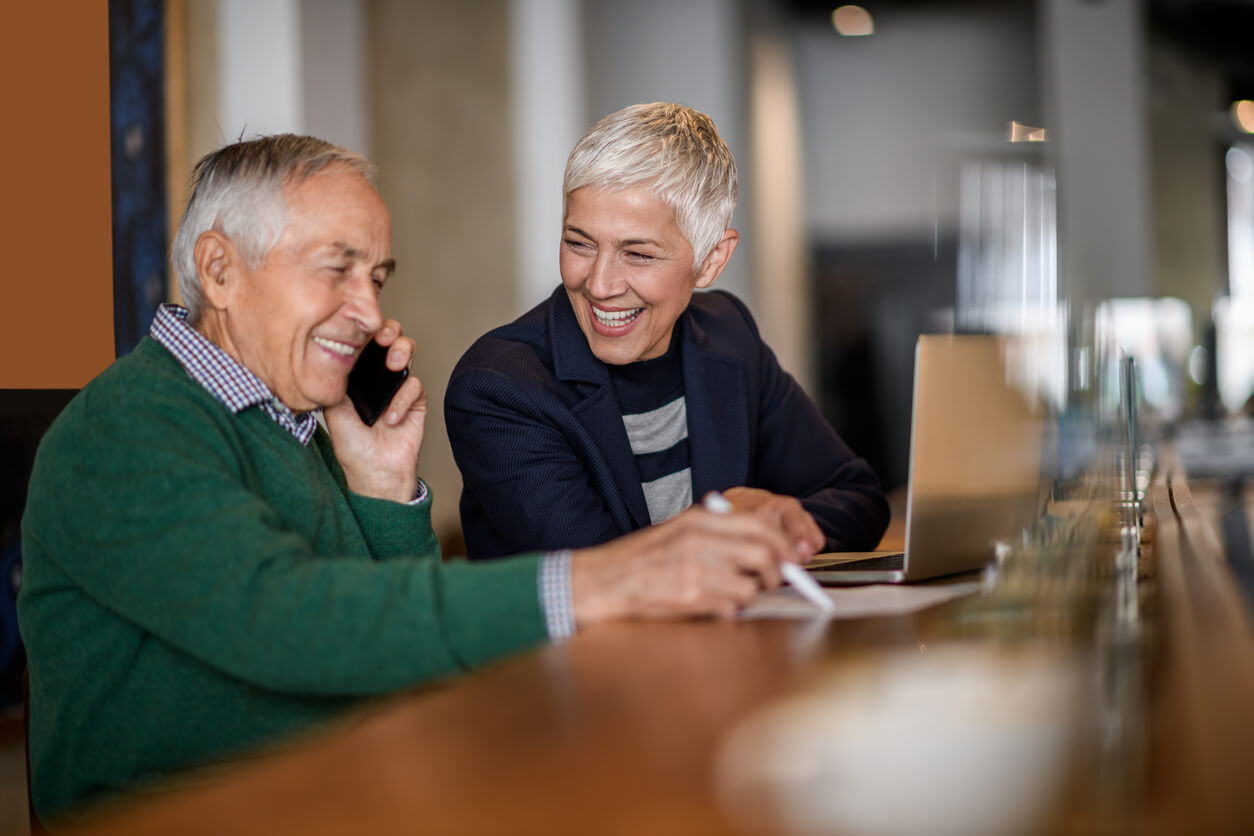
x=857 y=601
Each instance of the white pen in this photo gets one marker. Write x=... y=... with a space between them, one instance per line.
x=809 y=588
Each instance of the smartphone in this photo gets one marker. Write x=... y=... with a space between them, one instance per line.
x=371 y=384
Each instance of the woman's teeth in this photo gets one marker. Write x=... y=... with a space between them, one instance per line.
x=611 y=319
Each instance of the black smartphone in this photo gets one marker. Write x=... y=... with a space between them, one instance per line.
x=371 y=384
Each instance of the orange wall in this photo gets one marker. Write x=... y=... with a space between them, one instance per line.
x=56 y=309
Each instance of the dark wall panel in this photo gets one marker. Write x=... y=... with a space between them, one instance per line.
x=137 y=134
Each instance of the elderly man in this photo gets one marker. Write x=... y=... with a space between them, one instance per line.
x=614 y=403
x=206 y=569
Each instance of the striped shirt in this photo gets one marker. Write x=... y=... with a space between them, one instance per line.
x=655 y=414
x=237 y=388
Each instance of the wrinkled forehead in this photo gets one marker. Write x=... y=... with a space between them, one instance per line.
x=330 y=189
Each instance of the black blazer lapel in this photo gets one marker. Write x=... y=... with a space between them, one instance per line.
x=601 y=418
x=718 y=429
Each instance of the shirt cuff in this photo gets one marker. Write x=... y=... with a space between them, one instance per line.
x=555 y=598
x=420 y=494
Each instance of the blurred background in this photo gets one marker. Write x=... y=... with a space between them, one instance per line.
x=1078 y=171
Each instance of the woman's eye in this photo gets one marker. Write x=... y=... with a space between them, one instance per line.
x=577 y=245
x=643 y=257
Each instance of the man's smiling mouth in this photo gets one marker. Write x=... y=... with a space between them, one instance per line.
x=342 y=349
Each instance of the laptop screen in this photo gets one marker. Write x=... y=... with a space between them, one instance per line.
x=975 y=453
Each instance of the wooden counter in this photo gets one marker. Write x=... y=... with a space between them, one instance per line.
x=618 y=730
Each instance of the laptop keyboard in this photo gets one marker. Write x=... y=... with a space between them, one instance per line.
x=879 y=563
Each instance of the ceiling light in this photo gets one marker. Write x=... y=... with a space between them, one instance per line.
x=1243 y=115
x=852 y=21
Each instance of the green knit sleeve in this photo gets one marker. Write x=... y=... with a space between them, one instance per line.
x=393 y=529
x=158 y=512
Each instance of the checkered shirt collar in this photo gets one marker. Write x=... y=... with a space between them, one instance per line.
x=222 y=375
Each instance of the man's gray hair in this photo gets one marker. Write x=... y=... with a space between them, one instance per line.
x=673 y=151
x=238 y=191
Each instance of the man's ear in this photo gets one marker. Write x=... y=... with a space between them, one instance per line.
x=718 y=258
x=217 y=261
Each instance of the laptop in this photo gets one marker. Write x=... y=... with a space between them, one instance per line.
x=975 y=477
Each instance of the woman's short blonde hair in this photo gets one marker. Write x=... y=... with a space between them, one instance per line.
x=673 y=151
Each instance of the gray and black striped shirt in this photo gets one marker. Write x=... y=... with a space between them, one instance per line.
x=651 y=399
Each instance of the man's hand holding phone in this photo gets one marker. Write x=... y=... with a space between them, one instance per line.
x=377 y=429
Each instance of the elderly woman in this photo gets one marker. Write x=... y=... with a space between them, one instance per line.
x=624 y=396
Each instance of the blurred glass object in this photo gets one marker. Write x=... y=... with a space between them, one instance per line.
x=1158 y=333
x=1199 y=364
x=1234 y=314
x=1239 y=162
x=1234 y=351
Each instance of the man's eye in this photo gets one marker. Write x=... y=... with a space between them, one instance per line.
x=577 y=245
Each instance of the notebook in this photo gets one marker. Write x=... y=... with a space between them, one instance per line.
x=975 y=477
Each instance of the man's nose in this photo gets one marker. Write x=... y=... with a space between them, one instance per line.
x=361 y=304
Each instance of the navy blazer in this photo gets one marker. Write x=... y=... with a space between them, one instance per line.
x=537 y=433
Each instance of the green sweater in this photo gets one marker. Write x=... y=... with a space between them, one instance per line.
x=197 y=583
